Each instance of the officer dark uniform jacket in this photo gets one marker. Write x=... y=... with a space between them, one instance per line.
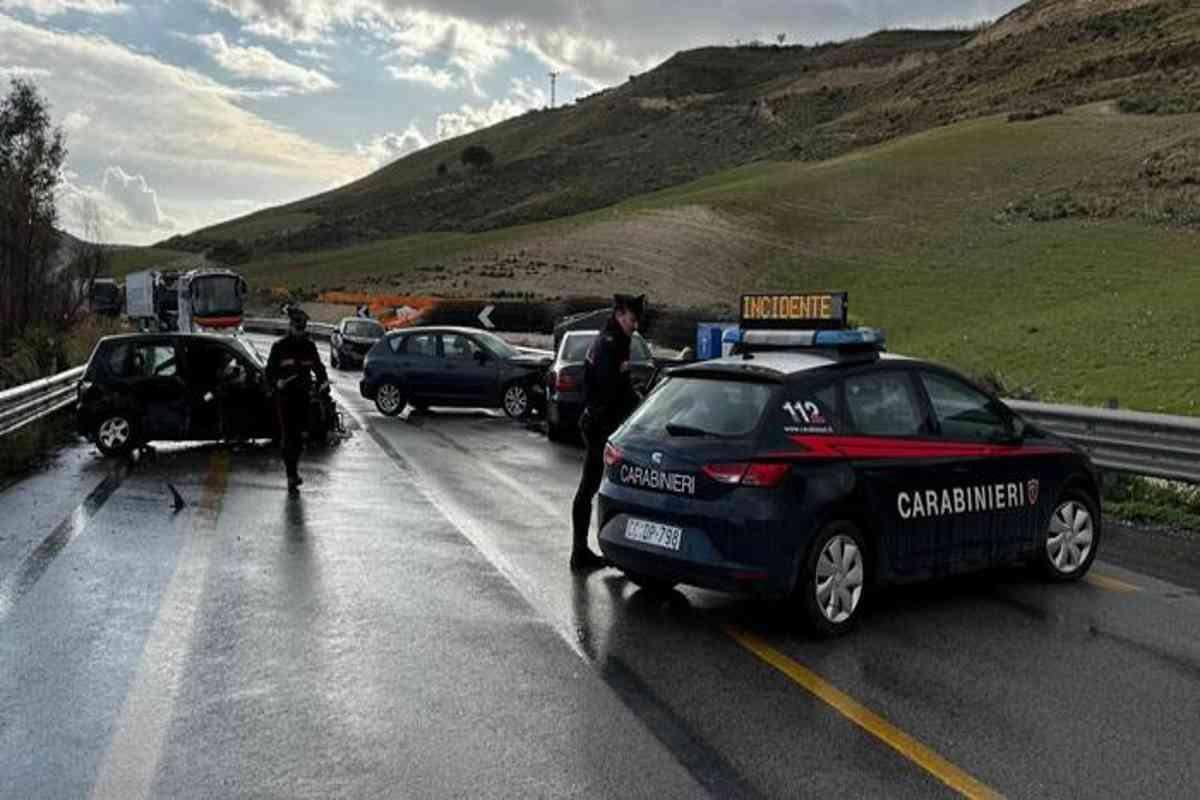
x=609 y=398
x=294 y=360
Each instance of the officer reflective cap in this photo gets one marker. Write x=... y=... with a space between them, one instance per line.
x=629 y=302
x=297 y=316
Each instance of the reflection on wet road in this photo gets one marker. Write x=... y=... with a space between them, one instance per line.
x=406 y=626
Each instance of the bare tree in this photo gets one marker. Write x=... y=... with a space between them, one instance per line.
x=90 y=260
x=31 y=158
x=781 y=38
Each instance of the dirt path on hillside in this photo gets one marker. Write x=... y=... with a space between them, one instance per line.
x=692 y=254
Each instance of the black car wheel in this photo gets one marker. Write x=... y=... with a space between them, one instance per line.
x=833 y=580
x=516 y=400
x=389 y=399
x=115 y=434
x=1071 y=539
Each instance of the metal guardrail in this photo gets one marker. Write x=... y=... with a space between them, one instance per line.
x=318 y=330
x=1155 y=445
x=32 y=401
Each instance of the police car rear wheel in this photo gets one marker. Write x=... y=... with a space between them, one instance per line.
x=1071 y=538
x=516 y=401
x=834 y=581
x=389 y=400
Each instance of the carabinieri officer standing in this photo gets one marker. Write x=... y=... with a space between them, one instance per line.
x=290 y=367
x=608 y=398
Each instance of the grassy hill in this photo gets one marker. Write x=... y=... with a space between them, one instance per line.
x=707 y=110
x=1057 y=250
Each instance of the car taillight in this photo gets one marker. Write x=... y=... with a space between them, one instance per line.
x=565 y=382
x=726 y=473
x=613 y=455
x=764 y=475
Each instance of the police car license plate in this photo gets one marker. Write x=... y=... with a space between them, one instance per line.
x=665 y=536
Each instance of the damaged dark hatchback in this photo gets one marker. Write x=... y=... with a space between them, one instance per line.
x=139 y=388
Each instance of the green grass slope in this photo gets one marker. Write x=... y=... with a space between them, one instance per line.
x=705 y=111
x=932 y=234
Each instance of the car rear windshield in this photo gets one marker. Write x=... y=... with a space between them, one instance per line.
x=710 y=406
x=364 y=330
x=497 y=346
x=576 y=346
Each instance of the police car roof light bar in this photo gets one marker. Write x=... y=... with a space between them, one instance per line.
x=837 y=343
x=858 y=339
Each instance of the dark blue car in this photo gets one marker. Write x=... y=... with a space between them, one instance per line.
x=445 y=366
x=816 y=467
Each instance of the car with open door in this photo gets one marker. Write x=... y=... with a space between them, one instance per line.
x=141 y=388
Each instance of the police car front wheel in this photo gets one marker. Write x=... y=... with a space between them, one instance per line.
x=833 y=582
x=1071 y=537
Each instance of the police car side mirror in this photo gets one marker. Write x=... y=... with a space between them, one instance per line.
x=481 y=356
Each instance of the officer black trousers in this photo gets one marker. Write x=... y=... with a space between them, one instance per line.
x=293 y=419
x=589 y=484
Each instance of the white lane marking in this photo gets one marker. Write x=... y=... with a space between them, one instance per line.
x=132 y=761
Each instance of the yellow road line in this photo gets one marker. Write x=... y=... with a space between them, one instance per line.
x=1110 y=583
x=865 y=718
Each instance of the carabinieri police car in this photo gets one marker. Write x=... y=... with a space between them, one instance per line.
x=817 y=466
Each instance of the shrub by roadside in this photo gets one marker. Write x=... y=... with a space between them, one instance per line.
x=40 y=351
x=38 y=354
x=1150 y=501
x=1159 y=104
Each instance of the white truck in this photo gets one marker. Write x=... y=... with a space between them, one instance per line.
x=201 y=300
x=151 y=301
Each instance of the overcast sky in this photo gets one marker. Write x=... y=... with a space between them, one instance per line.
x=181 y=113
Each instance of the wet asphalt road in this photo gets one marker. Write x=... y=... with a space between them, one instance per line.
x=406 y=627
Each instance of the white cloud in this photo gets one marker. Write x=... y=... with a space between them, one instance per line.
x=596 y=62
x=51 y=8
x=315 y=54
x=75 y=121
x=601 y=42
x=185 y=132
x=388 y=147
x=474 y=49
x=524 y=96
x=24 y=72
x=135 y=197
x=420 y=73
x=260 y=64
